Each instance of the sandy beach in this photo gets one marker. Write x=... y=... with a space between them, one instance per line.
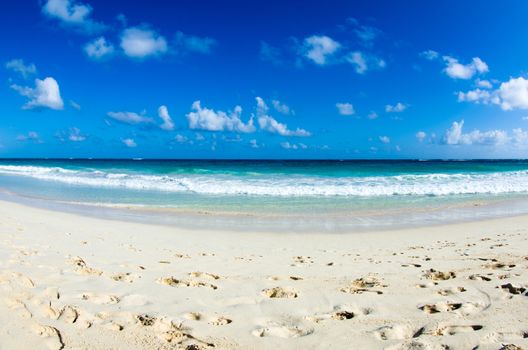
x=73 y=282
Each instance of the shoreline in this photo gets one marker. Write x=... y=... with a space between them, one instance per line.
x=342 y=223
x=75 y=282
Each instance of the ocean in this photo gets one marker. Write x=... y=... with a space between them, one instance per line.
x=274 y=194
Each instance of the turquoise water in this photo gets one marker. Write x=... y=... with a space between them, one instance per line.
x=365 y=193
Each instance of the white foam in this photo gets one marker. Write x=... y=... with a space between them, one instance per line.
x=286 y=185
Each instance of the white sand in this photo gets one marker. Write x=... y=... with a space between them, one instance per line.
x=74 y=282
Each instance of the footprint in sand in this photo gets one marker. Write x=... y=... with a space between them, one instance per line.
x=440 y=307
x=19 y=306
x=451 y=291
x=282 y=331
x=302 y=260
x=398 y=332
x=512 y=289
x=66 y=314
x=82 y=268
x=214 y=320
x=22 y=280
x=53 y=337
x=198 y=274
x=510 y=347
x=100 y=298
x=173 y=282
x=452 y=330
x=364 y=284
x=478 y=277
x=435 y=275
x=279 y=292
x=336 y=315
x=498 y=266
x=124 y=277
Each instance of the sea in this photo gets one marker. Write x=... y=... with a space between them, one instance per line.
x=273 y=195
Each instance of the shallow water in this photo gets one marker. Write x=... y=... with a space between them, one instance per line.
x=290 y=195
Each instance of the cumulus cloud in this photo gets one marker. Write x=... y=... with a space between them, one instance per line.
x=269 y=124
x=320 y=48
x=45 y=94
x=287 y=145
x=129 y=143
x=510 y=95
x=384 y=139
x=397 y=108
x=73 y=14
x=485 y=84
x=363 y=62
x=372 y=115
x=253 y=143
x=163 y=113
x=129 y=118
x=142 y=42
x=421 y=135
x=194 y=43
x=282 y=107
x=429 y=55
x=367 y=34
x=203 y=118
x=456 y=136
x=345 y=108
x=99 y=48
x=180 y=138
x=31 y=136
x=75 y=135
x=18 y=66
x=457 y=70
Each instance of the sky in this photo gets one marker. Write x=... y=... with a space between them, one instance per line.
x=274 y=79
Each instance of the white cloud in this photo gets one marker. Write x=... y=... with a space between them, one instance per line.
x=345 y=108
x=195 y=43
x=397 y=108
x=510 y=95
x=358 y=60
x=430 y=55
x=421 y=135
x=282 y=107
x=253 y=143
x=372 y=115
x=129 y=117
x=99 y=48
x=362 y=62
x=384 y=139
x=129 y=143
x=18 y=66
x=72 y=13
x=287 y=145
x=457 y=70
x=75 y=135
x=45 y=94
x=202 y=118
x=31 y=136
x=486 y=84
x=514 y=94
x=163 y=113
x=180 y=138
x=455 y=136
x=141 y=42
x=320 y=48
x=367 y=34
x=269 y=124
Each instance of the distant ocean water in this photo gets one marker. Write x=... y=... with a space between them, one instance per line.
x=340 y=193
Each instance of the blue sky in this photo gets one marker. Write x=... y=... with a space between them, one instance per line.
x=275 y=79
